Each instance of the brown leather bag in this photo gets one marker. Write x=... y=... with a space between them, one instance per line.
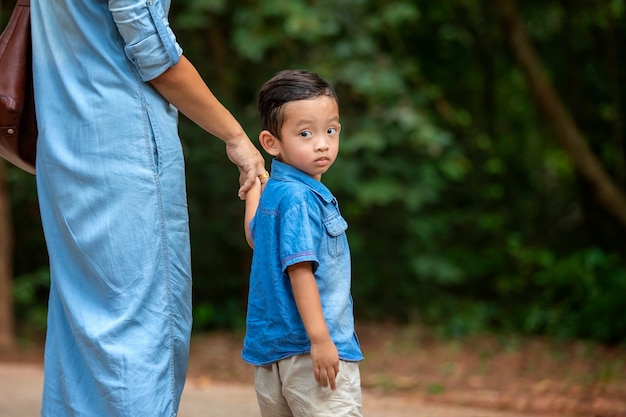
x=18 y=125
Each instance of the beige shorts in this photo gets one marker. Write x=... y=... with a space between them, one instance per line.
x=288 y=388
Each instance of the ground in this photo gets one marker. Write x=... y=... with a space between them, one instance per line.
x=515 y=373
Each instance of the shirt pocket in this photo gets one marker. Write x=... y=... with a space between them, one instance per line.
x=335 y=226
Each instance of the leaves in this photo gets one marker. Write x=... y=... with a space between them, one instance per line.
x=463 y=211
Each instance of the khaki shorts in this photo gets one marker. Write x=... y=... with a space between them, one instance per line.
x=288 y=388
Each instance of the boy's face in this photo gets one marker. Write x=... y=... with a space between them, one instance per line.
x=310 y=135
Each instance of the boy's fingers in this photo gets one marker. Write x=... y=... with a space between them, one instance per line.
x=328 y=378
x=324 y=377
x=316 y=374
x=333 y=383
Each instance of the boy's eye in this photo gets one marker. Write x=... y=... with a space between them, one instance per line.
x=331 y=130
x=306 y=134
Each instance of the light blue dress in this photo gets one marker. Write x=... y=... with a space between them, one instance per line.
x=110 y=178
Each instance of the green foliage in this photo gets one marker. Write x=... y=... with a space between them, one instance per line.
x=580 y=295
x=464 y=213
x=29 y=300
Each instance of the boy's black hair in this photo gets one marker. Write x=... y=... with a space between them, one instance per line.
x=284 y=87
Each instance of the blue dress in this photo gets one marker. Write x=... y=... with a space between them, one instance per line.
x=111 y=186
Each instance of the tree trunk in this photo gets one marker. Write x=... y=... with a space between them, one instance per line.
x=6 y=265
x=613 y=71
x=560 y=122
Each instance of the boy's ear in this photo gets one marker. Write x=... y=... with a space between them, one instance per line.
x=269 y=142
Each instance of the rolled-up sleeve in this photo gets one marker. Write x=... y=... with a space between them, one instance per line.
x=150 y=43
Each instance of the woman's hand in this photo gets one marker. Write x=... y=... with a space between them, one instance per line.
x=250 y=163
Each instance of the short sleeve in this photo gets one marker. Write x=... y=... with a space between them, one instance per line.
x=150 y=43
x=296 y=240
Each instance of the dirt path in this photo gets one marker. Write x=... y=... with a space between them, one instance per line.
x=407 y=372
x=532 y=376
x=20 y=394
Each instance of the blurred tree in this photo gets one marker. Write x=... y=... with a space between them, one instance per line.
x=7 y=338
x=563 y=126
x=464 y=213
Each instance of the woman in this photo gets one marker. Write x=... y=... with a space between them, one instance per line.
x=109 y=78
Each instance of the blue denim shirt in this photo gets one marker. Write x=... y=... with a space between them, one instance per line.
x=298 y=220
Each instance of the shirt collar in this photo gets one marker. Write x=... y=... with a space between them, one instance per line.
x=284 y=172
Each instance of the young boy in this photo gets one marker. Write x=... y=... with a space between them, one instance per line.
x=300 y=326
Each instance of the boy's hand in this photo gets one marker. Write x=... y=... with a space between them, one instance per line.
x=325 y=360
x=324 y=355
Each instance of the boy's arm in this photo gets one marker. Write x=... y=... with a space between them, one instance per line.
x=324 y=353
x=252 y=202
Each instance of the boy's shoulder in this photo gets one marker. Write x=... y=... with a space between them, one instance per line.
x=289 y=196
x=286 y=191
x=289 y=184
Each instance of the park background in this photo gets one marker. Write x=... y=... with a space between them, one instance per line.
x=482 y=166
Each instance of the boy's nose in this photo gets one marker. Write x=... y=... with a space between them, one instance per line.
x=322 y=144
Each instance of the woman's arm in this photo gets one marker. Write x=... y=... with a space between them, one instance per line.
x=324 y=353
x=183 y=87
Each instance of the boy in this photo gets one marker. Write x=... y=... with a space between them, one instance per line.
x=300 y=326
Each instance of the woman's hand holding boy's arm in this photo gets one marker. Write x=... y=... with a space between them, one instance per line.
x=324 y=353
x=183 y=87
x=252 y=202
